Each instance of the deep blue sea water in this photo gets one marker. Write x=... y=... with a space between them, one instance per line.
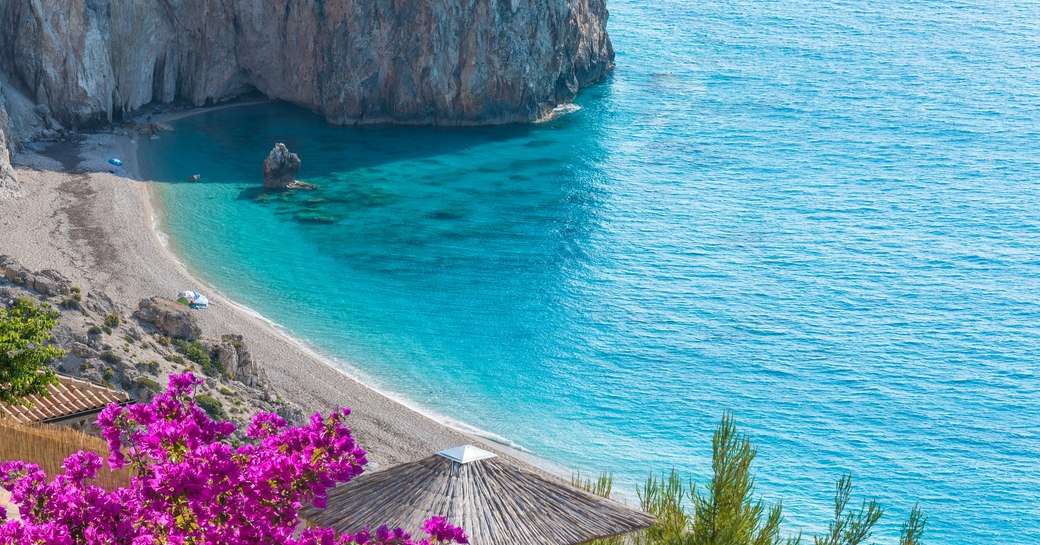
x=821 y=216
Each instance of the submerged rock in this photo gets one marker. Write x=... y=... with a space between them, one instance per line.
x=280 y=168
x=169 y=317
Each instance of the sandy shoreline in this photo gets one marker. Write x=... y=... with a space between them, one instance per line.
x=99 y=229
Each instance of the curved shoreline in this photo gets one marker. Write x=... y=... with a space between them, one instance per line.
x=110 y=239
x=349 y=370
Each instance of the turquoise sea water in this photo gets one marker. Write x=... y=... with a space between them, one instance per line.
x=824 y=217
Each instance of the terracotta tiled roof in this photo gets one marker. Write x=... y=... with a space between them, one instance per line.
x=68 y=397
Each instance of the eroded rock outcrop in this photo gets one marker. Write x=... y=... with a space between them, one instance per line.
x=238 y=362
x=170 y=318
x=47 y=282
x=354 y=61
x=280 y=168
x=8 y=183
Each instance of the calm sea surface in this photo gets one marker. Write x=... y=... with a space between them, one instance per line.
x=821 y=216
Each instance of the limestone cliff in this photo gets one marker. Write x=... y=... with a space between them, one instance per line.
x=354 y=61
x=8 y=184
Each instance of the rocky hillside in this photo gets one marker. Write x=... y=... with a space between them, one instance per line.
x=137 y=349
x=82 y=63
x=8 y=184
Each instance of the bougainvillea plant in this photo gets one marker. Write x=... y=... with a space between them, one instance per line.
x=191 y=486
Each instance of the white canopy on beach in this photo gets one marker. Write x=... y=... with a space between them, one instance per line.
x=193 y=299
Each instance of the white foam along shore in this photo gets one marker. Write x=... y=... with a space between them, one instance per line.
x=103 y=231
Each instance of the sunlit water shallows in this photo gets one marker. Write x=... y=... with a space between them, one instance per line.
x=823 y=217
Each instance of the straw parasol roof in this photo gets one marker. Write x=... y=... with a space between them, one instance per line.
x=495 y=502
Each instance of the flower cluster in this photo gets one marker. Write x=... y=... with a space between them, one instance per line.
x=191 y=485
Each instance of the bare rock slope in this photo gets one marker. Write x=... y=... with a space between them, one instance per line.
x=446 y=62
x=8 y=183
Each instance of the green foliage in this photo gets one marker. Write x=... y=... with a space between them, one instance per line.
x=232 y=340
x=664 y=500
x=109 y=374
x=726 y=512
x=213 y=407
x=93 y=330
x=196 y=352
x=111 y=358
x=112 y=320
x=151 y=366
x=72 y=301
x=850 y=528
x=148 y=383
x=25 y=335
x=174 y=358
x=913 y=528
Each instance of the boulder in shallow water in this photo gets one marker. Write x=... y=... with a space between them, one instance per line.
x=280 y=168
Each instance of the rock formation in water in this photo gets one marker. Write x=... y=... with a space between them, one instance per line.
x=83 y=63
x=280 y=168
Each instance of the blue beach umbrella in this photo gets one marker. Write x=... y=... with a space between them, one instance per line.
x=115 y=162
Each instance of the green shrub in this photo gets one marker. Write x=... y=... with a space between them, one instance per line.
x=108 y=374
x=25 y=349
x=112 y=320
x=174 y=358
x=129 y=340
x=106 y=329
x=213 y=407
x=93 y=330
x=72 y=301
x=110 y=357
x=726 y=510
x=151 y=366
x=196 y=352
x=163 y=340
x=149 y=384
x=226 y=391
x=237 y=343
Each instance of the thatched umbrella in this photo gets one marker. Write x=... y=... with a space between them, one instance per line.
x=496 y=502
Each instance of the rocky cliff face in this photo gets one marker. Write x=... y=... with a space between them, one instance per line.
x=8 y=184
x=444 y=62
